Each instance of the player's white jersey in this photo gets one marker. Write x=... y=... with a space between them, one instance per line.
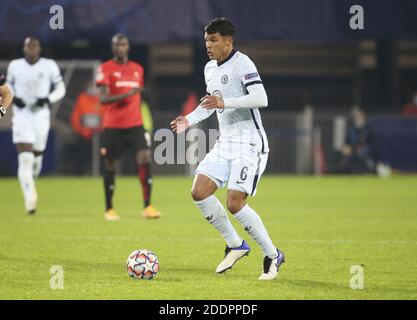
x=30 y=82
x=229 y=79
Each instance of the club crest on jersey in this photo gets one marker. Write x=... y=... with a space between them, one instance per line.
x=224 y=79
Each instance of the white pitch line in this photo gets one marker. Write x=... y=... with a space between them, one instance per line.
x=174 y=238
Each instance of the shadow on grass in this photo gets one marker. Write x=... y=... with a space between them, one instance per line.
x=313 y=284
x=74 y=265
x=368 y=290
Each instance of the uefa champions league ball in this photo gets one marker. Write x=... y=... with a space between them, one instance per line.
x=142 y=264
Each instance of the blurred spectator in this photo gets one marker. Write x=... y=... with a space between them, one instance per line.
x=86 y=120
x=410 y=109
x=190 y=103
x=147 y=117
x=357 y=152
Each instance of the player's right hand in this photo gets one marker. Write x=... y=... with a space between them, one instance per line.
x=179 y=124
x=18 y=102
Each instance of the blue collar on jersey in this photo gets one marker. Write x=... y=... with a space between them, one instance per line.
x=227 y=59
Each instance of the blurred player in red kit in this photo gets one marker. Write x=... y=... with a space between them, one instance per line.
x=121 y=82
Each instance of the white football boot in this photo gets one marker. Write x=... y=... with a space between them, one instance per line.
x=232 y=255
x=271 y=266
x=31 y=203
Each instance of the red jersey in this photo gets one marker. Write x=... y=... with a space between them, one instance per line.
x=121 y=78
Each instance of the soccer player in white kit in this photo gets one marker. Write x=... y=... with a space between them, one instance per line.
x=31 y=79
x=238 y=158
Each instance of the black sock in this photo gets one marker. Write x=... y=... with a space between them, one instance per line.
x=145 y=177
x=109 y=187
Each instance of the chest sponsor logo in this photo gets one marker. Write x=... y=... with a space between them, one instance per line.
x=129 y=84
x=117 y=74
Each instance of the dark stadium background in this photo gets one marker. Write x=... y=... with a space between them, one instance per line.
x=314 y=67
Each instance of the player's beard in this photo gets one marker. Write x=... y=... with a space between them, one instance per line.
x=33 y=59
x=121 y=59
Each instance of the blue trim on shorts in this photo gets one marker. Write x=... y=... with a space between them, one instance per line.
x=255 y=180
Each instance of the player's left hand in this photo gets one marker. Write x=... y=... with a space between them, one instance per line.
x=212 y=102
x=41 y=101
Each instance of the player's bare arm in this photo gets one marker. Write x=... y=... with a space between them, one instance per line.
x=105 y=98
x=6 y=96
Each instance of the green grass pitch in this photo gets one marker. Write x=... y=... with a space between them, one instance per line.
x=324 y=226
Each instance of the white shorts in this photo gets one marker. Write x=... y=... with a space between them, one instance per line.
x=31 y=127
x=241 y=168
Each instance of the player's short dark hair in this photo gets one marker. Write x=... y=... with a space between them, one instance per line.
x=120 y=36
x=221 y=25
x=31 y=39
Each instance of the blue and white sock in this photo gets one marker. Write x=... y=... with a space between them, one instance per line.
x=253 y=225
x=216 y=215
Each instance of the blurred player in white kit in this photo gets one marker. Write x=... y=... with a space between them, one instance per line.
x=31 y=79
